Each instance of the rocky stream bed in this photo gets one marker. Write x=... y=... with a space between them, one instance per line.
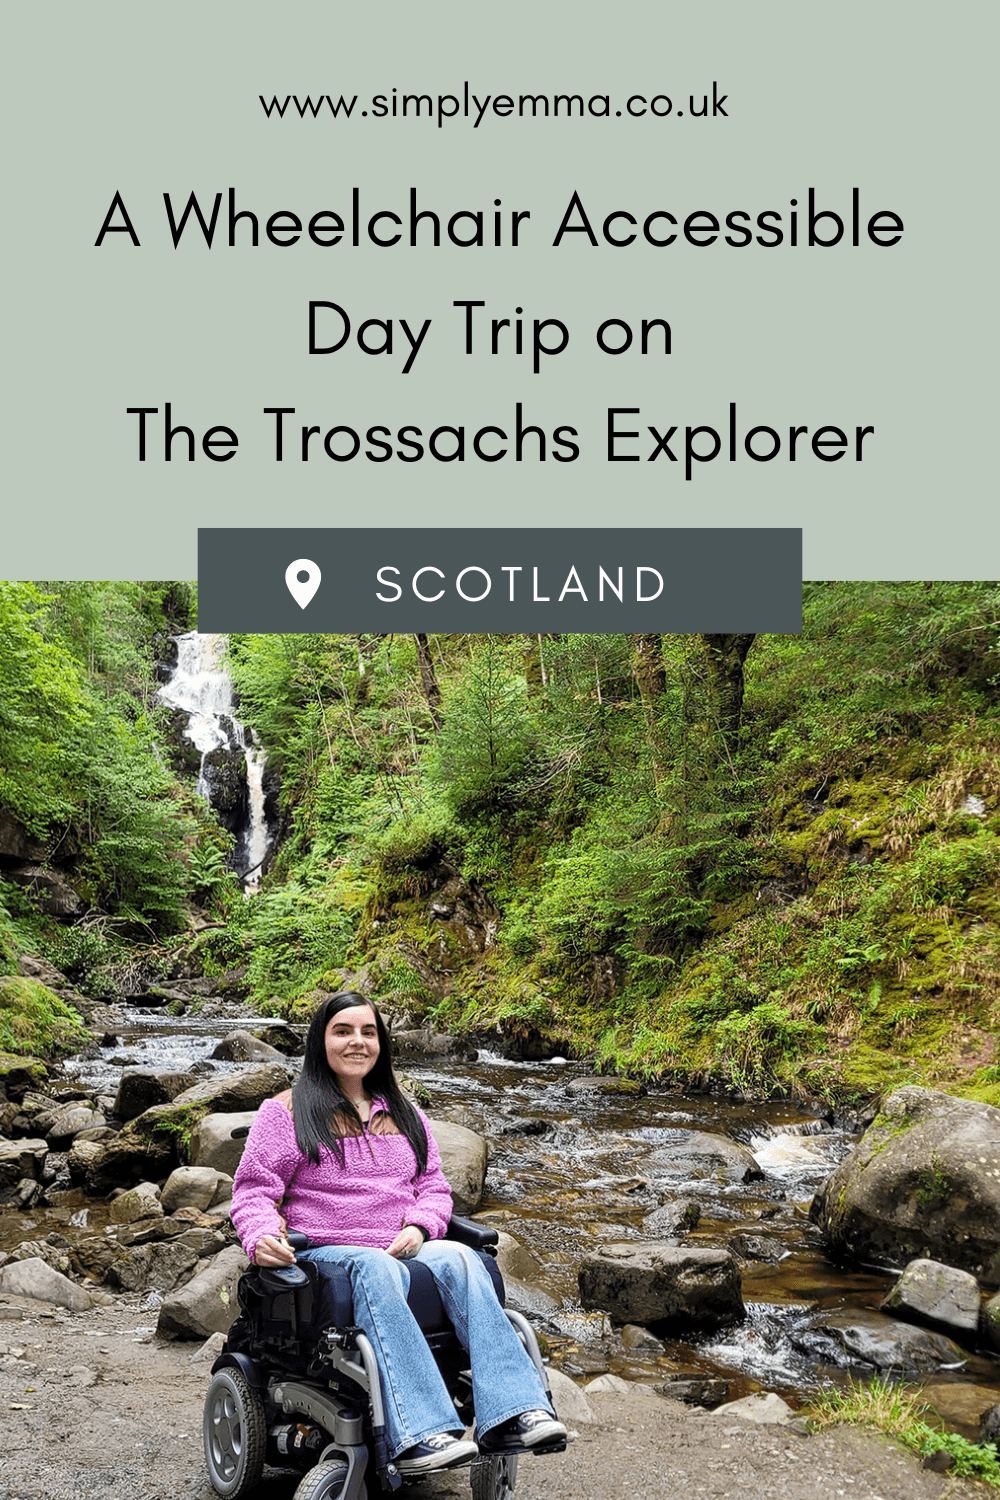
x=600 y=1189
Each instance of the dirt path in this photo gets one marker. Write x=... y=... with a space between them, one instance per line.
x=95 y=1406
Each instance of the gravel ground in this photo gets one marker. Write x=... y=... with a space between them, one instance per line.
x=95 y=1406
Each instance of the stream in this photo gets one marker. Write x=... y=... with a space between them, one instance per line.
x=573 y=1165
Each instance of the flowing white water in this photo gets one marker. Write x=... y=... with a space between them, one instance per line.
x=201 y=687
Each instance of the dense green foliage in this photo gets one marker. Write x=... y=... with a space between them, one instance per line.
x=761 y=861
x=80 y=769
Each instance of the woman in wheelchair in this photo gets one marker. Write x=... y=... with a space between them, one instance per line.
x=347 y=1160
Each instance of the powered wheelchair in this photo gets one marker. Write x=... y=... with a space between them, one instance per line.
x=296 y=1385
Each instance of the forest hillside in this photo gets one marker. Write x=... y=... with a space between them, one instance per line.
x=764 y=863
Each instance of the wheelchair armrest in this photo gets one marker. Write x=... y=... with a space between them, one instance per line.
x=468 y=1232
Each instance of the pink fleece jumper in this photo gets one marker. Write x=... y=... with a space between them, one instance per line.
x=364 y=1202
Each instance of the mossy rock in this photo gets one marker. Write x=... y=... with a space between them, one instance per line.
x=19 y=1074
x=34 y=1022
x=924 y=1181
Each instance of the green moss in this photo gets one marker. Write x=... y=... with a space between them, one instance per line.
x=35 y=1022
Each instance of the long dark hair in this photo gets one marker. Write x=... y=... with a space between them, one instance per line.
x=317 y=1096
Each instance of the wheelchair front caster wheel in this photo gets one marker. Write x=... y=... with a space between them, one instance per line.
x=494 y=1476
x=325 y=1482
x=235 y=1433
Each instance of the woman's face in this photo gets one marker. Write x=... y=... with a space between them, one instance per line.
x=352 y=1046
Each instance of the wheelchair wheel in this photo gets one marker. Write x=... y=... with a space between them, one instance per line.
x=494 y=1476
x=235 y=1433
x=325 y=1482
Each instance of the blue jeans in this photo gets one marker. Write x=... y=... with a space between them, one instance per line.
x=417 y=1404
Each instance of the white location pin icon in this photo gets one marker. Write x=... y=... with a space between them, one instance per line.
x=302 y=579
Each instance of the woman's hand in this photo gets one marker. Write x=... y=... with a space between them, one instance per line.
x=407 y=1242
x=272 y=1251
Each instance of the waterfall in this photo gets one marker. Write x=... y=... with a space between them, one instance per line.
x=231 y=767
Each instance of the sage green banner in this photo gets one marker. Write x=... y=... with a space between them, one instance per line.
x=451 y=265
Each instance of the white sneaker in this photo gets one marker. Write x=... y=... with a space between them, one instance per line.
x=441 y=1451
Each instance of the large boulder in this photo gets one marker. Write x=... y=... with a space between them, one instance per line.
x=236 y=1091
x=663 y=1286
x=33 y=1278
x=207 y=1304
x=943 y=1298
x=60 y=1125
x=122 y=1162
x=924 y=1181
x=152 y=1144
x=212 y=1143
x=463 y=1161
x=153 y=1268
x=195 y=1187
x=870 y=1341
x=243 y=1046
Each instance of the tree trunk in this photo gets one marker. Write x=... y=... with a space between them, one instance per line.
x=428 y=681
x=725 y=655
x=651 y=679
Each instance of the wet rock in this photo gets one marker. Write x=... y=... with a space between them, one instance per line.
x=672 y=1218
x=870 y=1339
x=936 y=1295
x=761 y=1247
x=33 y=1278
x=207 y=1304
x=156 y=996
x=663 y=1286
x=156 y=1268
x=763 y=1407
x=463 y=1161
x=623 y=1088
x=140 y=1202
x=525 y=1127
x=924 y=1181
x=635 y=1338
x=687 y=1154
x=140 y=1089
x=212 y=1143
x=242 y=1046
x=695 y=1390
x=194 y=1187
x=20 y=1159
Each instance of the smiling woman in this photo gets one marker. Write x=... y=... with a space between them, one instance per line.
x=347 y=1160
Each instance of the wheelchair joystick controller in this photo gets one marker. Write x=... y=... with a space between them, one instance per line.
x=288 y=1277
